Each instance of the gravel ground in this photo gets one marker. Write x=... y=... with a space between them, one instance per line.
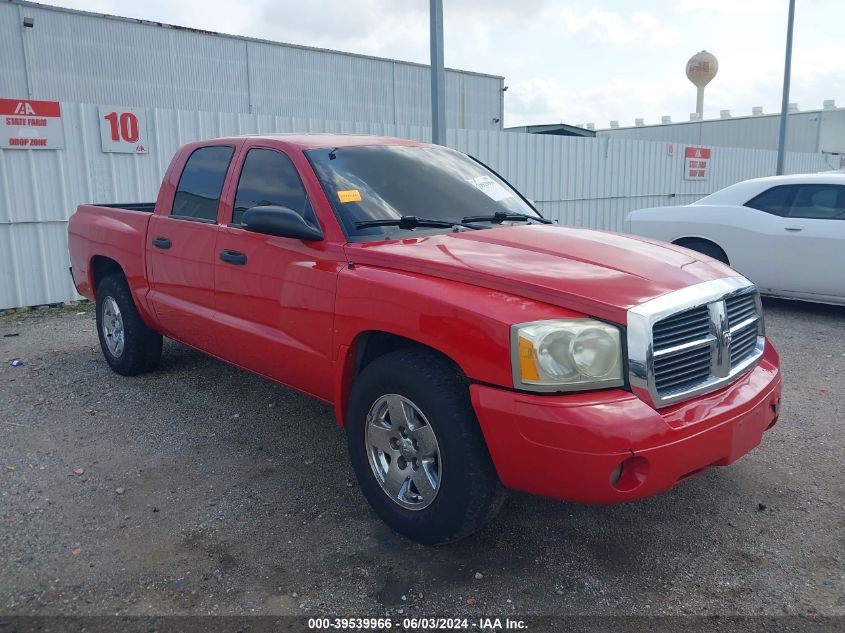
x=202 y=489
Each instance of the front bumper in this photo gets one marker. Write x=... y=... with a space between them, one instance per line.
x=570 y=447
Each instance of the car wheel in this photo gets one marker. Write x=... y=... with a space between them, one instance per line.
x=417 y=449
x=706 y=248
x=129 y=346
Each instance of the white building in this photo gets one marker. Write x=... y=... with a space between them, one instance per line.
x=811 y=131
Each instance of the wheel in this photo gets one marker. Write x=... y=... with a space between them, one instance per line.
x=417 y=448
x=130 y=347
x=706 y=248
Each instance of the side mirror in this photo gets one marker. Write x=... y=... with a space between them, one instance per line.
x=281 y=222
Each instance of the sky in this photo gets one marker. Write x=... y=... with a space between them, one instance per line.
x=563 y=61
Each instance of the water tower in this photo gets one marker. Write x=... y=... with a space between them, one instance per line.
x=701 y=68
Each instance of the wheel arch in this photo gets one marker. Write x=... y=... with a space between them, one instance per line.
x=366 y=347
x=687 y=240
x=100 y=267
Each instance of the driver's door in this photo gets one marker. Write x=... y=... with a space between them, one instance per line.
x=274 y=295
x=813 y=240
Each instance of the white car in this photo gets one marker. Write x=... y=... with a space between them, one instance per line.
x=785 y=233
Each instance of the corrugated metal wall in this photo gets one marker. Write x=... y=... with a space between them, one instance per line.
x=811 y=131
x=80 y=57
x=578 y=181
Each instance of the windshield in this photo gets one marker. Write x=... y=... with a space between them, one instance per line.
x=384 y=182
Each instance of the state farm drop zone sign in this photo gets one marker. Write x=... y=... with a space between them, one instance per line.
x=27 y=124
x=696 y=163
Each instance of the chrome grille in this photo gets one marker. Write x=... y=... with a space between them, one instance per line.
x=694 y=340
x=740 y=308
x=682 y=371
x=743 y=345
x=742 y=320
x=682 y=328
x=682 y=349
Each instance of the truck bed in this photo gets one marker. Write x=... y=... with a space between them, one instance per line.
x=115 y=232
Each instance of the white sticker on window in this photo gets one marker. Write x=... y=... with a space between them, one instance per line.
x=492 y=188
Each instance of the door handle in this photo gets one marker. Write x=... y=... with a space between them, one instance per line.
x=162 y=242
x=233 y=257
x=794 y=229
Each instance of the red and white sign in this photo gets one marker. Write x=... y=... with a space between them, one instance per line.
x=696 y=163
x=670 y=149
x=27 y=124
x=123 y=130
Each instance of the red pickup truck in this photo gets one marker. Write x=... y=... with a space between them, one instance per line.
x=467 y=344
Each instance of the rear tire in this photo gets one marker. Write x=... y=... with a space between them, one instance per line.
x=435 y=481
x=129 y=346
x=705 y=247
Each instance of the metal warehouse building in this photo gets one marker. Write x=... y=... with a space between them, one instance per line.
x=812 y=131
x=50 y=53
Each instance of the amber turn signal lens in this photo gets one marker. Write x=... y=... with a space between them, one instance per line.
x=527 y=361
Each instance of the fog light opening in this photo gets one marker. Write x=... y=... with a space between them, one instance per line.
x=615 y=475
x=775 y=407
x=630 y=474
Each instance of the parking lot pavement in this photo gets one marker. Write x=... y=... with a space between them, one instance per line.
x=202 y=489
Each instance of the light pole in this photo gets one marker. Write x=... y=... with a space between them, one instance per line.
x=784 y=106
x=438 y=75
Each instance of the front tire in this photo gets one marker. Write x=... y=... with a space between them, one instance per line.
x=417 y=448
x=129 y=346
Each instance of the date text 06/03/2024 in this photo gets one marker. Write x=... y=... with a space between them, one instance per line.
x=417 y=624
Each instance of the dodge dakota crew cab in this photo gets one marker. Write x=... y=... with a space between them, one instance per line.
x=467 y=344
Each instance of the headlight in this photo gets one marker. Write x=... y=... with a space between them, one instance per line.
x=566 y=355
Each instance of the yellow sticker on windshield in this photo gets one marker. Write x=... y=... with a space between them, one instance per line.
x=349 y=195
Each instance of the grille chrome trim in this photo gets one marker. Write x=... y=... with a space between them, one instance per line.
x=722 y=298
x=684 y=347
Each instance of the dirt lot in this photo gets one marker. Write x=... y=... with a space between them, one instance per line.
x=202 y=489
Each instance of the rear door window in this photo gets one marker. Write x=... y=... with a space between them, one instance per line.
x=775 y=200
x=198 y=194
x=269 y=177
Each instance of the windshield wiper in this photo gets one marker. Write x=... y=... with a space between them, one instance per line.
x=502 y=216
x=409 y=222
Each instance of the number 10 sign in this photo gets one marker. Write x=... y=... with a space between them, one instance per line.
x=123 y=130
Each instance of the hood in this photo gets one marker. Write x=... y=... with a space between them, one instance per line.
x=597 y=273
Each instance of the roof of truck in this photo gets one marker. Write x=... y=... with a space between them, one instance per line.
x=307 y=140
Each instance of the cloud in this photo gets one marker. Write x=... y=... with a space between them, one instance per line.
x=535 y=100
x=539 y=100
x=613 y=28
x=374 y=27
x=735 y=7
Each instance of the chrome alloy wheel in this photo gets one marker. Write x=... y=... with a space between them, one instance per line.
x=403 y=452
x=111 y=323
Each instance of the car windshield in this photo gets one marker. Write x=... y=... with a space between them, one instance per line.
x=386 y=182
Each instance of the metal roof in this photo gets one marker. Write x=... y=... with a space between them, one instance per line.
x=732 y=117
x=555 y=129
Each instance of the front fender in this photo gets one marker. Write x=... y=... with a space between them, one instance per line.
x=468 y=324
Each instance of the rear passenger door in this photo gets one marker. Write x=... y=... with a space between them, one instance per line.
x=181 y=249
x=275 y=295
